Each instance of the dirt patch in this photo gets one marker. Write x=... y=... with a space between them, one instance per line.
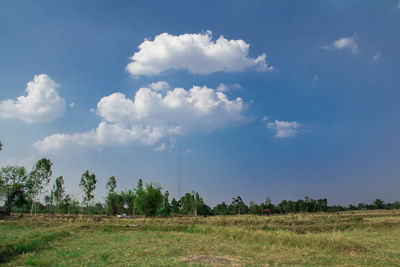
x=211 y=260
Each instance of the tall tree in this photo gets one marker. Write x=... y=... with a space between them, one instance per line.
x=12 y=186
x=238 y=206
x=111 y=185
x=111 y=204
x=175 y=206
x=87 y=185
x=188 y=204
x=38 y=179
x=165 y=209
x=58 y=192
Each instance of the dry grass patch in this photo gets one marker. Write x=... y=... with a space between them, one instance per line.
x=212 y=260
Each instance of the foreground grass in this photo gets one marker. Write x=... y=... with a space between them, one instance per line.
x=358 y=238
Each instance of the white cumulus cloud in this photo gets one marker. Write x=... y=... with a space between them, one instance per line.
x=344 y=43
x=151 y=116
x=42 y=102
x=195 y=53
x=284 y=129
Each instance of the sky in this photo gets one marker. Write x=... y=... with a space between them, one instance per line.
x=284 y=99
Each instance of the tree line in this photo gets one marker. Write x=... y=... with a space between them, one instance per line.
x=21 y=191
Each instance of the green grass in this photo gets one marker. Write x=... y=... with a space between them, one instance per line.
x=368 y=238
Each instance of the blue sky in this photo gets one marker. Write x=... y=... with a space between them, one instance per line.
x=318 y=116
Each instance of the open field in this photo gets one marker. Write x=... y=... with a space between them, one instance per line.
x=341 y=239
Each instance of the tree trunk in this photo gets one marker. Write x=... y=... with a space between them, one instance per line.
x=7 y=210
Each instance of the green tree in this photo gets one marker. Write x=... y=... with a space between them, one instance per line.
x=238 y=206
x=114 y=203
x=222 y=209
x=38 y=179
x=166 y=206
x=254 y=208
x=396 y=205
x=322 y=204
x=283 y=206
x=268 y=205
x=58 y=192
x=175 y=206
x=149 y=199
x=140 y=184
x=110 y=199
x=111 y=185
x=12 y=186
x=49 y=201
x=87 y=185
x=378 y=204
x=128 y=199
x=188 y=204
x=198 y=202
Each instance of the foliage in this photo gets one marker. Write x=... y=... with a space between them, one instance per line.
x=222 y=209
x=87 y=185
x=175 y=206
x=111 y=184
x=38 y=179
x=12 y=186
x=149 y=200
x=19 y=190
x=58 y=192
x=238 y=206
x=165 y=209
x=114 y=203
x=193 y=204
x=128 y=201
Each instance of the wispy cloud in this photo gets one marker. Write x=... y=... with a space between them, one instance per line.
x=188 y=151
x=222 y=87
x=162 y=147
x=377 y=56
x=159 y=86
x=349 y=43
x=284 y=129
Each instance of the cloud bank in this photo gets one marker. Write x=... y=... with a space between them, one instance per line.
x=151 y=116
x=42 y=102
x=195 y=53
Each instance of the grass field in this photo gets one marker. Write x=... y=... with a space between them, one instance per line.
x=341 y=239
